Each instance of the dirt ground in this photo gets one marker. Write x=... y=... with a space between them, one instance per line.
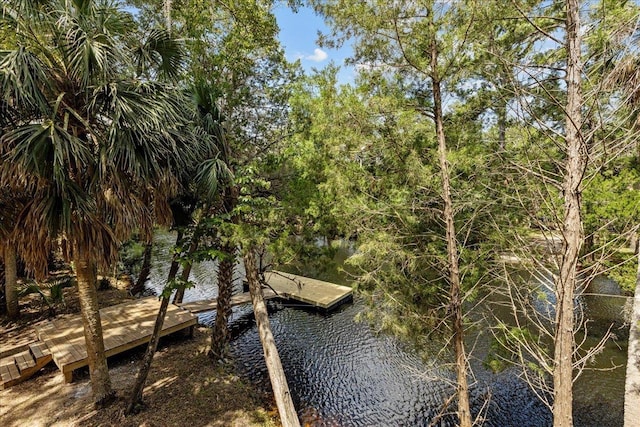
x=184 y=387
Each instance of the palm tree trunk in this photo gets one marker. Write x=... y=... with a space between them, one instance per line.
x=138 y=288
x=11 y=281
x=88 y=297
x=455 y=297
x=278 y=379
x=220 y=333
x=135 y=398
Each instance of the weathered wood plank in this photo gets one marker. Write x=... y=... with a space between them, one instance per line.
x=5 y=375
x=13 y=372
x=24 y=360
x=36 y=350
x=21 y=345
x=23 y=368
x=11 y=360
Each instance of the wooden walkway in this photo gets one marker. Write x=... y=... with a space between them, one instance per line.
x=124 y=326
x=314 y=292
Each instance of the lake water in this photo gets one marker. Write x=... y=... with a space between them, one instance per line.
x=341 y=373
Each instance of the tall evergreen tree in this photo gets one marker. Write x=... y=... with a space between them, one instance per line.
x=566 y=128
x=416 y=53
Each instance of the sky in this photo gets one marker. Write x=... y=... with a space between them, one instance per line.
x=298 y=35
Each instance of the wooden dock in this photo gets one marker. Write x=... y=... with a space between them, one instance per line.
x=124 y=326
x=211 y=304
x=130 y=324
x=316 y=293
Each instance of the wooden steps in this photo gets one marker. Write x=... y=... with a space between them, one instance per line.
x=23 y=365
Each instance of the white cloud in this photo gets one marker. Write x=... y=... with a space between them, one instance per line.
x=319 y=55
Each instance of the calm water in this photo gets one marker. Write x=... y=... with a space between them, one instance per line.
x=343 y=374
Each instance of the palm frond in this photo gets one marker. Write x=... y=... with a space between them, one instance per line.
x=23 y=82
x=211 y=173
x=52 y=286
x=97 y=149
x=45 y=149
x=160 y=54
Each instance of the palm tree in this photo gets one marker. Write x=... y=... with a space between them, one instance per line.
x=98 y=139
x=199 y=191
x=218 y=171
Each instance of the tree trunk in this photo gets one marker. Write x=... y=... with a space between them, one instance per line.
x=632 y=382
x=186 y=270
x=173 y=269
x=184 y=278
x=220 y=333
x=167 y=6
x=576 y=162
x=464 y=413
x=88 y=297
x=634 y=242
x=11 y=281
x=502 y=125
x=3 y=296
x=138 y=288
x=279 y=384
x=135 y=398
